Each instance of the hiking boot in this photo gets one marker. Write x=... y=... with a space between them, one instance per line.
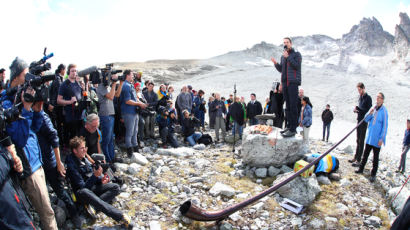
x=288 y=133
x=126 y=221
x=359 y=171
x=283 y=131
x=356 y=164
x=129 y=152
x=135 y=148
x=372 y=179
x=77 y=221
x=352 y=160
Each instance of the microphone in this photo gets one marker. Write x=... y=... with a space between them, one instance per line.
x=89 y=70
x=44 y=59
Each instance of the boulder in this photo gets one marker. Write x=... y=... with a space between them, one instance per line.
x=323 y=180
x=261 y=172
x=373 y=221
x=199 y=147
x=301 y=190
x=400 y=200
x=177 y=152
x=272 y=171
x=229 y=138
x=139 y=159
x=222 y=189
x=133 y=168
x=154 y=225
x=271 y=150
x=348 y=149
x=121 y=167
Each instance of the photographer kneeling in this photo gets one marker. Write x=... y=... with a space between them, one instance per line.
x=166 y=121
x=189 y=123
x=90 y=185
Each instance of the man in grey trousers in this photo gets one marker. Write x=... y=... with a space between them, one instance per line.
x=218 y=107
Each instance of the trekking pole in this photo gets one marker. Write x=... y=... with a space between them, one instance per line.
x=401 y=188
x=234 y=126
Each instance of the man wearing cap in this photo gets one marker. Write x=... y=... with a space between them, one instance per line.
x=23 y=134
x=18 y=71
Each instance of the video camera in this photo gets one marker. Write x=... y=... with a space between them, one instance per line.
x=34 y=81
x=6 y=117
x=98 y=161
x=37 y=67
x=104 y=75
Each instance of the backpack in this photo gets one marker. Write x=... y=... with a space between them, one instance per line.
x=205 y=139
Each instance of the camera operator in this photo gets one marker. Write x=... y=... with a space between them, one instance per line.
x=53 y=167
x=68 y=96
x=190 y=122
x=129 y=104
x=106 y=113
x=152 y=100
x=90 y=185
x=18 y=71
x=23 y=135
x=166 y=121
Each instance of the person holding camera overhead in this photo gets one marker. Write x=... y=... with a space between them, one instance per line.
x=106 y=94
x=90 y=185
x=69 y=94
x=129 y=102
x=23 y=134
x=291 y=68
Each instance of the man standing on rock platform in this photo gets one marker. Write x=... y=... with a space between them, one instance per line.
x=365 y=103
x=291 y=68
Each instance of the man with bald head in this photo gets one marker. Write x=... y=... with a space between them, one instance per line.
x=218 y=108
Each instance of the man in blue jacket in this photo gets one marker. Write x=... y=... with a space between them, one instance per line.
x=23 y=134
x=291 y=68
x=90 y=185
x=377 y=131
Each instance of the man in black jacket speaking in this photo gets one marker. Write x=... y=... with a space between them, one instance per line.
x=291 y=68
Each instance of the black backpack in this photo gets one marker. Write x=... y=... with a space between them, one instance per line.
x=205 y=139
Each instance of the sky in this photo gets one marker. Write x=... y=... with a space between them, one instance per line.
x=94 y=32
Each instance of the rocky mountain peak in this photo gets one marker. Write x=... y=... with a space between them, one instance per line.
x=402 y=37
x=369 y=38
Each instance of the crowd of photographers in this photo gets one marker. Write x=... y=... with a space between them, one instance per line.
x=82 y=117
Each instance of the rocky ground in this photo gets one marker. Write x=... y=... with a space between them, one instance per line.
x=158 y=181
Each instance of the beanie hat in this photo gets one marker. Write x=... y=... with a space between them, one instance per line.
x=137 y=85
x=16 y=67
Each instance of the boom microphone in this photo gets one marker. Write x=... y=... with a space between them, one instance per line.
x=89 y=70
